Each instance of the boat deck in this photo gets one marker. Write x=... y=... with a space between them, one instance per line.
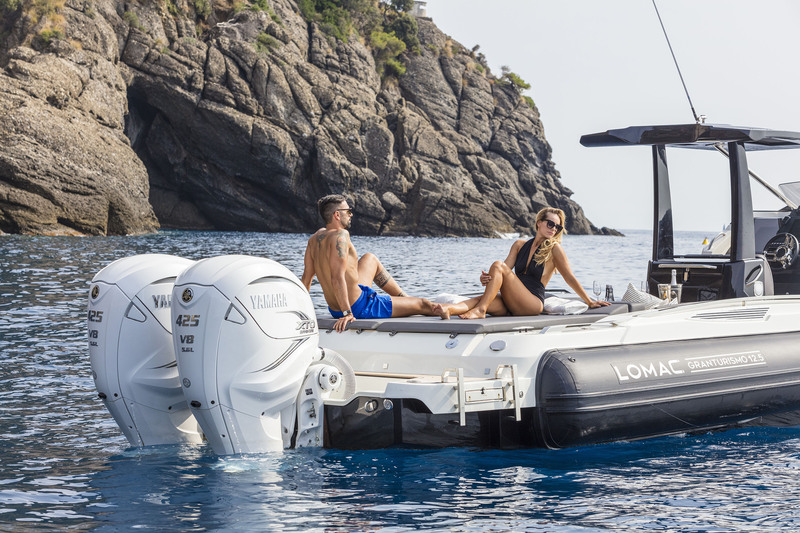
x=456 y=326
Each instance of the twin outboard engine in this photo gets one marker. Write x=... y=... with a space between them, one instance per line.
x=227 y=344
x=130 y=348
x=245 y=334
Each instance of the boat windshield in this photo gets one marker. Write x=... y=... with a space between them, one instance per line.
x=791 y=191
x=700 y=189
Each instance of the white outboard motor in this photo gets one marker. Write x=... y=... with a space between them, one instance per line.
x=245 y=333
x=131 y=350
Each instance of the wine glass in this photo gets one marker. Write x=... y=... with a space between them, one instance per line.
x=597 y=288
x=643 y=286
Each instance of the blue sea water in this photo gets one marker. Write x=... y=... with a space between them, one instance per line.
x=65 y=466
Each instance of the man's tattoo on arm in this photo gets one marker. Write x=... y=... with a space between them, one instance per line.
x=341 y=246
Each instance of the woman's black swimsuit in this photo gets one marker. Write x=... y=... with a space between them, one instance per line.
x=530 y=274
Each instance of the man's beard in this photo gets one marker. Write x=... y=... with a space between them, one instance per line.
x=347 y=223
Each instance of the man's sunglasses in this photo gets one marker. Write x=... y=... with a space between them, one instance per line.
x=551 y=225
x=348 y=211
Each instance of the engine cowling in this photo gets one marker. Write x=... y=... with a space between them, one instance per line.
x=245 y=332
x=131 y=349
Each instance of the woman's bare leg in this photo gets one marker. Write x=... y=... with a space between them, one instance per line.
x=371 y=269
x=480 y=309
x=515 y=297
x=496 y=308
x=446 y=310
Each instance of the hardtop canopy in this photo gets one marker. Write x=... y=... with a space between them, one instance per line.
x=702 y=136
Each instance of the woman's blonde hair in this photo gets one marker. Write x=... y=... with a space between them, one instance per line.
x=546 y=248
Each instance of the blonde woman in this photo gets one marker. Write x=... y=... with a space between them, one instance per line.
x=521 y=291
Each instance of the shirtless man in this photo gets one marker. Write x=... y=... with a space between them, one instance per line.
x=345 y=279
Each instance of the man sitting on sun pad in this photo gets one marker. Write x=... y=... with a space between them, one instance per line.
x=345 y=279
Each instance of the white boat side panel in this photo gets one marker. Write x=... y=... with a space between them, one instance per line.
x=372 y=351
x=745 y=316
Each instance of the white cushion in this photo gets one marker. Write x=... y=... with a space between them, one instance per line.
x=561 y=306
x=635 y=296
x=447 y=298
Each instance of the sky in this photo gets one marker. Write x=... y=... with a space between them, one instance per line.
x=598 y=65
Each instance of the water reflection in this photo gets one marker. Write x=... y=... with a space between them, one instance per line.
x=679 y=483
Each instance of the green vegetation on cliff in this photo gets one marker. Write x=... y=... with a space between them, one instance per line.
x=9 y=6
x=385 y=26
x=266 y=43
x=386 y=47
x=44 y=15
x=202 y=8
x=335 y=17
x=519 y=85
x=263 y=5
x=7 y=10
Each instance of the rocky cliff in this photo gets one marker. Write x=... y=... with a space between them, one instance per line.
x=118 y=116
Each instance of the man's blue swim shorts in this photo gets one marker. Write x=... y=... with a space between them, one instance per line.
x=369 y=305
